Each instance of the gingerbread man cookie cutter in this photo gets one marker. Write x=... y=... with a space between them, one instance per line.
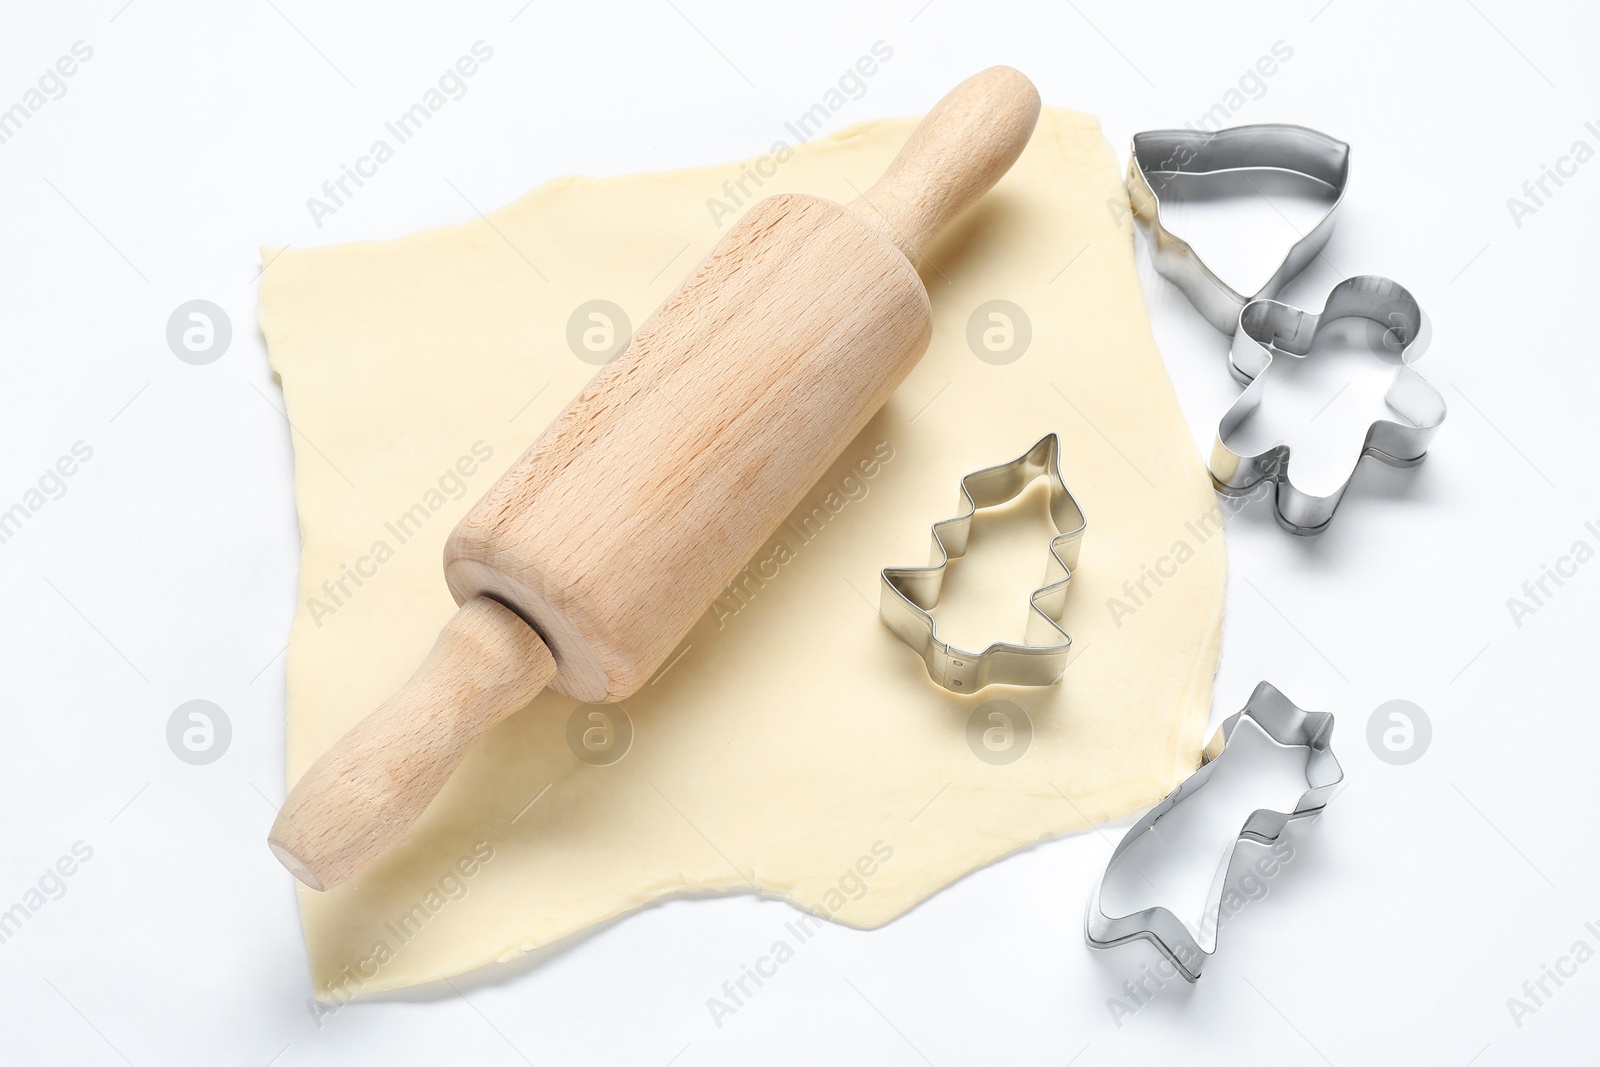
x=1269 y=326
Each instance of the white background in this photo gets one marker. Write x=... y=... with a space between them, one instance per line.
x=1423 y=898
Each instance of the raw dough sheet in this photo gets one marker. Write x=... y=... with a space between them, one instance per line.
x=794 y=747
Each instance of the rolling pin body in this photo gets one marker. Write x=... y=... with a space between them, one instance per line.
x=621 y=525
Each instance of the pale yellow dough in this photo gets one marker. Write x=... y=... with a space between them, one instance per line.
x=795 y=743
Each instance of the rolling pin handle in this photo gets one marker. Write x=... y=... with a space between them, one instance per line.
x=961 y=148
x=366 y=791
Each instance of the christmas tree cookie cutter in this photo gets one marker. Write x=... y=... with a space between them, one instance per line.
x=907 y=595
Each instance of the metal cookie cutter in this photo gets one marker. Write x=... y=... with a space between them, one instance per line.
x=1284 y=723
x=1265 y=325
x=908 y=594
x=1159 y=154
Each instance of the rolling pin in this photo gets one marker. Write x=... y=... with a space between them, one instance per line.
x=603 y=544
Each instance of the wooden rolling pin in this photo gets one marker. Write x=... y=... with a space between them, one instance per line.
x=588 y=562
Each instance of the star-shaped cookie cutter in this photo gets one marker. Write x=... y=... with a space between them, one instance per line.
x=1286 y=724
x=1265 y=325
x=1160 y=154
x=907 y=595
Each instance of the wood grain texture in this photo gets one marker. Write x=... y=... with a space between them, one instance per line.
x=963 y=146
x=622 y=523
x=366 y=791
